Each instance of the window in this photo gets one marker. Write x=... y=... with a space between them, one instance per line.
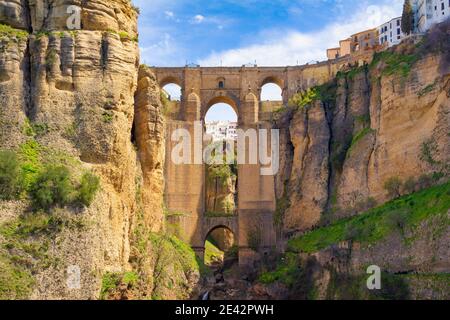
x=398 y=23
x=221 y=84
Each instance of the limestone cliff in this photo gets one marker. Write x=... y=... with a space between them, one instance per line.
x=370 y=125
x=364 y=180
x=79 y=99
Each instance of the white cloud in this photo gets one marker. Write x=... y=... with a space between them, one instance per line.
x=160 y=53
x=169 y=14
x=289 y=47
x=198 y=19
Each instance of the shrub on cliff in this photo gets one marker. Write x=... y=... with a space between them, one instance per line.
x=393 y=187
x=88 y=188
x=10 y=182
x=52 y=188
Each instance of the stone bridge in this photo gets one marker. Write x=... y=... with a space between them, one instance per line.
x=240 y=87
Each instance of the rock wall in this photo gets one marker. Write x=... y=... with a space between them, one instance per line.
x=49 y=15
x=338 y=153
x=220 y=191
x=81 y=98
x=150 y=133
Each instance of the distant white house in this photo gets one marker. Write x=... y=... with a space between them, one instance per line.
x=390 y=33
x=428 y=13
x=222 y=130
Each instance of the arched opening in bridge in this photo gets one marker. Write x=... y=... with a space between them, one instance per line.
x=221 y=122
x=172 y=91
x=221 y=250
x=271 y=96
x=271 y=92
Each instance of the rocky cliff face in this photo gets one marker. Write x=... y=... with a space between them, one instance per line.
x=374 y=133
x=72 y=98
x=220 y=190
x=339 y=152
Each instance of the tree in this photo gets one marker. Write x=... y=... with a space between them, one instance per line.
x=393 y=187
x=10 y=182
x=52 y=187
x=407 y=18
x=88 y=188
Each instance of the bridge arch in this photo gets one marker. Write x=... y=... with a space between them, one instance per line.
x=227 y=99
x=272 y=79
x=169 y=80
x=218 y=227
x=222 y=241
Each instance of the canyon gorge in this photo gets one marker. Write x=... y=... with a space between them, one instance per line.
x=363 y=178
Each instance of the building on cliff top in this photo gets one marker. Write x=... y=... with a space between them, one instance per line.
x=359 y=42
x=429 y=12
x=390 y=33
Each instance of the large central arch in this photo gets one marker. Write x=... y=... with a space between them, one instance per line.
x=232 y=101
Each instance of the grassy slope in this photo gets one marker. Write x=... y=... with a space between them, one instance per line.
x=378 y=223
x=371 y=227
x=212 y=253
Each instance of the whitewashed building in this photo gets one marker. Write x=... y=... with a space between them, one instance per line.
x=390 y=33
x=429 y=12
x=221 y=130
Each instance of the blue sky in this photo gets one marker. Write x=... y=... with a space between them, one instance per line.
x=237 y=32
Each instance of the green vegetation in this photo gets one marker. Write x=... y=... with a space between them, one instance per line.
x=428 y=149
x=394 y=63
x=16 y=283
x=393 y=187
x=34 y=129
x=363 y=120
x=25 y=249
x=359 y=136
x=11 y=184
x=89 y=186
x=282 y=205
x=369 y=228
x=429 y=88
x=223 y=172
x=353 y=287
x=11 y=32
x=407 y=24
x=352 y=73
x=227 y=213
x=112 y=281
x=212 y=253
x=43 y=175
x=171 y=251
x=286 y=273
x=325 y=93
x=107 y=117
x=50 y=59
x=52 y=188
x=377 y=223
x=124 y=35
